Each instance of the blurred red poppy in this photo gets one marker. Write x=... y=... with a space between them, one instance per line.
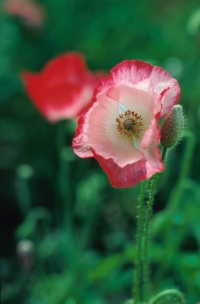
x=63 y=89
x=30 y=12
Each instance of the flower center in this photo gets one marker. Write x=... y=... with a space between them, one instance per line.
x=129 y=123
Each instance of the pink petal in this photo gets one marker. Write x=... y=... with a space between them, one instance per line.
x=79 y=142
x=93 y=133
x=153 y=131
x=133 y=99
x=162 y=80
x=131 y=174
x=142 y=74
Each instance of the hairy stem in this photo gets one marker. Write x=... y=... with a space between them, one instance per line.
x=146 y=236
x=138 y=284
x=146 y=230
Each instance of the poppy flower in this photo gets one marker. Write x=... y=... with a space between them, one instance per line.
x=31 y=13
x=63 y=89
x=121 y=128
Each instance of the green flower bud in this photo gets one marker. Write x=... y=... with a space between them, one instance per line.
x=172 y=127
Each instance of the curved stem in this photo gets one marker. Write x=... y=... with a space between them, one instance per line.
x=138 y=286
x=168 y=295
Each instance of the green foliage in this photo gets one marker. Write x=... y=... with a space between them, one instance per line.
x=83 y=229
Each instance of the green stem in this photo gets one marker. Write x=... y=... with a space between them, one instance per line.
x=138 y=292
x=164 y=152
x=176 y=193
x=23 y=195
x=146 y=230
x=146 y=235
x=65 y=157
x=168 y=296
x=173 y=204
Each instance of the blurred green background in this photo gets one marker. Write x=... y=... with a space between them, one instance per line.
x=80 y=230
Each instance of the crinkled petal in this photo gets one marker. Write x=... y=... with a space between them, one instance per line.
x=142 y=74
x=131 y=174
x=133 y=99
x=153 y=131
x=162 y=80
x=80 y=141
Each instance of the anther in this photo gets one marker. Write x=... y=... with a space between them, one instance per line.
x=129 y=123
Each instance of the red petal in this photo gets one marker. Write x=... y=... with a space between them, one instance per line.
x=70 y=66
x=63 y=89
x=130 y=175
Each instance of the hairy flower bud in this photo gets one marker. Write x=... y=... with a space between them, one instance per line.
x=172 y=127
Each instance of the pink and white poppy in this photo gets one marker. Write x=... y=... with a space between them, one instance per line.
x=121 y=128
